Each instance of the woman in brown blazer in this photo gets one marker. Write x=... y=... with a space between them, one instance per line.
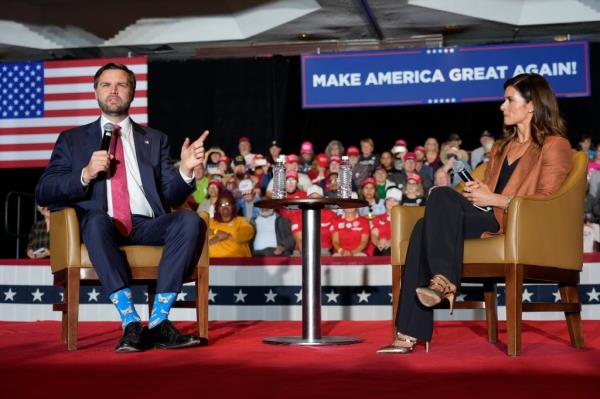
x=532 y=160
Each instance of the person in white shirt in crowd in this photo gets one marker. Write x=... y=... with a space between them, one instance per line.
x=413 y=194
x=381 y=230
x=481 y=154
x=273 y=234
x=245 y=205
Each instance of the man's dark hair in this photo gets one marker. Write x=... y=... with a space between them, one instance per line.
x=114 y=65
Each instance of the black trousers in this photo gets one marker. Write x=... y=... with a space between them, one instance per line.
x=436 y=247
x=182 y=234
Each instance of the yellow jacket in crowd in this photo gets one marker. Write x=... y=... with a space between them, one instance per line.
x=241 y=232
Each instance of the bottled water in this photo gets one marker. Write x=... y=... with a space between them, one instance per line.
x=279 y=179
x=345 y=179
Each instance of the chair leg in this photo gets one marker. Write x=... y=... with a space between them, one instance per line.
x=202 y=302
x=397 y=271
x=569 y=294
x=72 y=299
x=514 y=307
x=491 y=311
x=151 y=295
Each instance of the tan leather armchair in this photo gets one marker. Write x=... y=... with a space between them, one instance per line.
x=543 y=242
x=72 y=268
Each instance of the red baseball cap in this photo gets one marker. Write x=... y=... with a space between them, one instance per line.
x=335 y=158
x=291 y=174
x=420 y=149
x=367 y=180
x=352 y=151
x=413 y=176
x=244 y=138
x=306 y=148
x=217 y=183
x=322 y=160
x=224 y=158
x=400 y=142
x=259 y=160
x=292 y=158
x=410 y=155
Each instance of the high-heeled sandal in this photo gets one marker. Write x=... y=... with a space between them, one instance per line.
x=439 y=288
x=402 y=344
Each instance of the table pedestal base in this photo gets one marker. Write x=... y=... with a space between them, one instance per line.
x=329 y=340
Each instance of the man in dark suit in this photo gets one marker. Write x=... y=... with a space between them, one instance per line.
x=121 y=196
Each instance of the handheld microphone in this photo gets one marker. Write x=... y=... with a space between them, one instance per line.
x=108 y=131
x=459 y=168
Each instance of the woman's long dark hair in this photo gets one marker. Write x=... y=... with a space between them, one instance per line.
x=546 y=119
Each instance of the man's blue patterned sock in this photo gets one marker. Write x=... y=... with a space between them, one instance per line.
x=122 y=300
x=160 y=308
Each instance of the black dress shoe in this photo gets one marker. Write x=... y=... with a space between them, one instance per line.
x=166 y=336
x=131 y=341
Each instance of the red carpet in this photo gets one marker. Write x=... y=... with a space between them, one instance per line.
x=237 y=364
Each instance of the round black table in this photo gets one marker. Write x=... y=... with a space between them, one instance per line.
x=311 y=267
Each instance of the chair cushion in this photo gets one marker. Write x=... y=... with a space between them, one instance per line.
x=137 y=255
x=486 y=250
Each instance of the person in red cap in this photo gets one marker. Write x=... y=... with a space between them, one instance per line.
x=413 y=194
x=245 y=150
x=410 y=166
x=334 y=164
x=369 y=193
x=322 y=162
x=307 y=154
x=291 y=163
x=224 y=166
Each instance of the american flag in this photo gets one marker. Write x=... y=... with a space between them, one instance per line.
x=40 y=99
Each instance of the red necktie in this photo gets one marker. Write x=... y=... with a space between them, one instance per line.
x=118 y=185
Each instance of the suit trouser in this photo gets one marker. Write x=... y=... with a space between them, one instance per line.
x=436 y=247
x=182 y=234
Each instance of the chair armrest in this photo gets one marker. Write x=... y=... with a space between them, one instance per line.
x=204 y=260
x=546 y=232
x=404 y=219
x=65 y=241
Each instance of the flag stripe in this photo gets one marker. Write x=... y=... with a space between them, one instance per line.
x=88 y=111
x=87 y=104
x=33 y=163
x=96 y=62
x=82 y=79
x=28 y=138
x=84 y=96
x=63 y=99
x=68 y=121
x=26 y=147
x=81 y=88
x=25 y=155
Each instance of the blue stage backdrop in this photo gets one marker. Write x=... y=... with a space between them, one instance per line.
x=439 y=76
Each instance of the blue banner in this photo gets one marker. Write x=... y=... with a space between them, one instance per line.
x=441 y=75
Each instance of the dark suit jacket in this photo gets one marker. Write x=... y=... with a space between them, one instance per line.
x=60 y=184
x=539 y=173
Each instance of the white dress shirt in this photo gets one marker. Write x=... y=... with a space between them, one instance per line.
x=138 y=202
